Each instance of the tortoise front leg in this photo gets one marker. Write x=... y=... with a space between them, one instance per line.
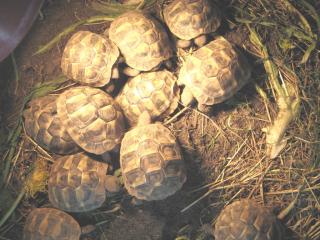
x=187 y=97
x=183 y=43
x=109 y=88
x=131 y=72
x=201 y=40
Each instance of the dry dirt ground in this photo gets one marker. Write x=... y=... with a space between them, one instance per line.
x=215 y=147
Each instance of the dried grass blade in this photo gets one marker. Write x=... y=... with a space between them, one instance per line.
x=288 y=105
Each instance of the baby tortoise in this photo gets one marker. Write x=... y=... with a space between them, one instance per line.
x=50 y=224
x=93 y=119
x=43 y=125
x=212 y=74
x=77 y=183
x=154 y=92
x=191 y=20
x=151 y=162
x=142 y=41
x=246 y=220
x=90 y=59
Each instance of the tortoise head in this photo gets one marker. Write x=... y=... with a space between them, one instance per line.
x=112 y=185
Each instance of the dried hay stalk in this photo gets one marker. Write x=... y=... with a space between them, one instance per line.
x=287 y=98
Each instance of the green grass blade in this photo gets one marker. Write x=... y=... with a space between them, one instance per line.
x=313 y=13
x=112 y=9
x=308 y=52
x=50 y=44
x=116 y=9
x=12 y=143
x=14 y=135
x=303 y=20
x=12 y=208
x=71 y=28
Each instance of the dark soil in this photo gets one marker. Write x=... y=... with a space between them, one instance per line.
x=205 y=149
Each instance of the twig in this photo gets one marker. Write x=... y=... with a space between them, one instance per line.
x=288 y=209
x=260 y=180
x=16 y=73
x=177 y=115
x=213 y=123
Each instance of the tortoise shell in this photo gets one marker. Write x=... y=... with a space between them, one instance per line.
x=93 y=119
x=50 y=224
x=141 y=39
x=89 y=58
x=215 y=72
x=44 y=126
x=151 y=162
x=188 y=19
x=245 y=219
x=77 y=183
x=154 y=92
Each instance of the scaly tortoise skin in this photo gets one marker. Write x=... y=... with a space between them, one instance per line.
x=151 y=162
x=246 y=220
x=89 y=59
x=154 y=92
x=188 y=19
x=77 y=183
x=215 y=72
x=93 y=119
x=141 y=39
x=43 y=125
x=50 y=224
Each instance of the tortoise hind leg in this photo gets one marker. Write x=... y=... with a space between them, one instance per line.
x=168 y=64
x=109 y=88
x=106 y=157
x=136 y=202
x=115 y=73
x=204 y=108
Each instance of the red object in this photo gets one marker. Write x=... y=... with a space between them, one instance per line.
x=16 y=18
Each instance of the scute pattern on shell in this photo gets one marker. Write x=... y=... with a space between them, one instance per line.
x=94 y=120
x=188 y=19
x=88 y=58
x=151 y=162
x=141 y=39
x=245 y=219
x=215 y=72
x=77 y=183
x=43 y=125
x=154 y=92
x=50 y=224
